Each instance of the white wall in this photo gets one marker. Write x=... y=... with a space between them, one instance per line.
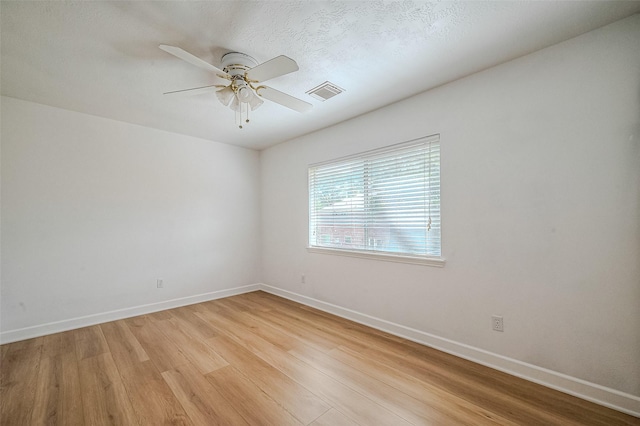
x=540 y=205
x=95 y=210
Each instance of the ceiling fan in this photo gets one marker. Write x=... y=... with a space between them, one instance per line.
x=244 y=91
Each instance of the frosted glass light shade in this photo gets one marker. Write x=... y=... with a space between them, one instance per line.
x=244 y=94
x=235 y=104
x=255 y=101
x=225 y=95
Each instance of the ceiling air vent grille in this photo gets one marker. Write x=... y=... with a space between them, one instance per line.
x=325 y=91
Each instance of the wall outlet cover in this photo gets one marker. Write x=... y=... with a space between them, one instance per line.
x=497 y=323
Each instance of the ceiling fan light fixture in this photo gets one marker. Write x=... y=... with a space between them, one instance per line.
x=225 y=95
x=235 y=104
x=244 y=93
x=255 y=102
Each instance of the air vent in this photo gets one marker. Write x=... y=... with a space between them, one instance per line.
x=325 y=91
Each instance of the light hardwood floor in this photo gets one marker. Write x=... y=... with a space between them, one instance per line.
x=260 y=359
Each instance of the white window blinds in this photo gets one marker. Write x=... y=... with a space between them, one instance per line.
x=387 y=201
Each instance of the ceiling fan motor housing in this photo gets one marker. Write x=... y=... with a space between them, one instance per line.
x=236 y=63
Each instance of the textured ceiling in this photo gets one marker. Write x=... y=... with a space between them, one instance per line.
x=102 y=58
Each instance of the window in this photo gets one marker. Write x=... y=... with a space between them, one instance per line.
x=386 y=201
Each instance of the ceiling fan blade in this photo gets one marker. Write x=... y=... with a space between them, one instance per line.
x=283 y=99
x=193 y=60
x=195 y=91
x=275 y=67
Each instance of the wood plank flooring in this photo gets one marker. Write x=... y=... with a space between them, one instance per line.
x=257 y=359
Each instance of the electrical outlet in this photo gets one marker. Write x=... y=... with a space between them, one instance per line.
x=497 y=323
x=302 y=279
x=159 y=284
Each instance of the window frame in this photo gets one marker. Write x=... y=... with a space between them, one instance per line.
x=426 y=259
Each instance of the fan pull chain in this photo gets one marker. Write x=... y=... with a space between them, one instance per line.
x=242 y=107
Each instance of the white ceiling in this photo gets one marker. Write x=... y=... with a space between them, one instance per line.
x=102 y=58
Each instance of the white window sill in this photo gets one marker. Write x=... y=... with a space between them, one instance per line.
x=427 y=261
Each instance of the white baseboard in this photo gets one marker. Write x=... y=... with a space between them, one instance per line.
x=85 y=321
x=617 y=400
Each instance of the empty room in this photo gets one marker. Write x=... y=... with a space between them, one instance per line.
x=320 y=212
